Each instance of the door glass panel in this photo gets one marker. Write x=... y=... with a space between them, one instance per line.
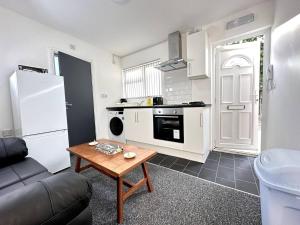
x=116 y=126
x=240 y=61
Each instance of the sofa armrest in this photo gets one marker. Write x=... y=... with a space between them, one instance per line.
x=55 y=200
x=12 y=150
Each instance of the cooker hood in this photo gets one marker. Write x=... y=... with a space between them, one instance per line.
x=175 y=61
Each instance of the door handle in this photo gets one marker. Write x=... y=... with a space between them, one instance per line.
x=189 y=68
x=255 y=97
x=68 y=105
x=173 y=117
x=201 y=120
x=137 y=117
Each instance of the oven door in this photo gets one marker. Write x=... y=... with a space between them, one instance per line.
x=168 y=128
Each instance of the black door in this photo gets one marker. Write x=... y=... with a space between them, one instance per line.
x=79 y=98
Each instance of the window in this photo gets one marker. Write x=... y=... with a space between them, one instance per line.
x=240 y=61
x=142 y=81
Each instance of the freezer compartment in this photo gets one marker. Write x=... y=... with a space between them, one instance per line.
x=49 y=149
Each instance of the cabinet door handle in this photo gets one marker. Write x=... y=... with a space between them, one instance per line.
x=190 y=68
x=201 y=120
x=137 y=117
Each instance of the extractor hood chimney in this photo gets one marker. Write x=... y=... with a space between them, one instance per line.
x=175 y=61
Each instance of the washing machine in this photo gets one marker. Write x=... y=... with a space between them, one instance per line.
x=116 y=126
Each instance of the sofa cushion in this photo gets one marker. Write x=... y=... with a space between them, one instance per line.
x=22 y=173
x=37 y=177
x=11 y=188
x=12 y=150
x=55 y=200
x=8 y=177
x=28 y=168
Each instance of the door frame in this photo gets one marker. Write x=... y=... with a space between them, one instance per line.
x=266 y=32
x=254 y=91
x=53 y=50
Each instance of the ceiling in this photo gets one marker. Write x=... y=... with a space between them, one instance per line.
x=125 y=26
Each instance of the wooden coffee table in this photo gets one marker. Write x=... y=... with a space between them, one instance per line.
x=116 y=166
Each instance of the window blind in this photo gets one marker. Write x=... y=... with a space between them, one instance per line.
x=142 y=81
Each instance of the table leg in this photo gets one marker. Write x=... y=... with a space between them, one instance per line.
x=120 y=201
x=146 y=175
x=77 y=166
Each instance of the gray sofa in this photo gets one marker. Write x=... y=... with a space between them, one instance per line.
x=30 y=195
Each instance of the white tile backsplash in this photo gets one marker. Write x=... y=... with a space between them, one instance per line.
x=177 y=88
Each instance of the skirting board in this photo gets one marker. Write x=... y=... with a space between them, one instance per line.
x=238 y=151
x=173 y=152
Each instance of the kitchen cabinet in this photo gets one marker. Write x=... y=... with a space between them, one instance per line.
x=130 y=123
x=139 y=125
x=196 y=130
x=197 y=55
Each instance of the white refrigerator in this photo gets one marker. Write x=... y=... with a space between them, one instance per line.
x=39 y=114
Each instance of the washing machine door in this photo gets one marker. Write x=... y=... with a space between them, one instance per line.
x=116 y=126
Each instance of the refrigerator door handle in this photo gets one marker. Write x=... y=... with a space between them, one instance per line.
x=69 y=105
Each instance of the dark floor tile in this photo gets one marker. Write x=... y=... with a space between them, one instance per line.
x=256 y=178
x=251 y=163
x=211 y=164
x=227 y=155
x=161 y=155
x=168 y=161
x=190 y=172
x=246 y=186
x=177 y=167
x=156 y=159
x=257 y=184
x=182 y=161
x=214 y=156
x=240 y=156
x=244 y=175
x=242 y=163
x=226 y=173
x=251 y=159
x=208 y=174
x=252 y=166
x=226 y=162
x=225 y=182
x=194 y=166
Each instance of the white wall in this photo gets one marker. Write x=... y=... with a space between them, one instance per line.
x=263 y=13
x=159 y=51
x=24 y=41
x=285 y=10
x=201 y=89
x=281 y=109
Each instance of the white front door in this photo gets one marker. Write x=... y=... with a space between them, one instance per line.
x=237 y=92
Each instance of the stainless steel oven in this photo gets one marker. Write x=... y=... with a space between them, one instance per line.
x=168 y=124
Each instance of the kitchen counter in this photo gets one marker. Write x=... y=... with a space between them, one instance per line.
x=121 y=108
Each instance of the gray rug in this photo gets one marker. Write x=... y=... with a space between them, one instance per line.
x=177 y=199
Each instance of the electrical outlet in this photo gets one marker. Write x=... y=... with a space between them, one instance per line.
x=7 y=133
